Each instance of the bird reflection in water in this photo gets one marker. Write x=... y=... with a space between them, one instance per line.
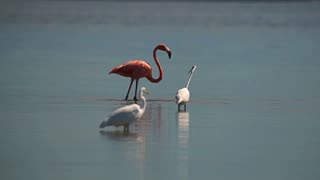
x=132 y=150
x=121 y=136
x=150 y=122
x=182 y=120
x=142 y=129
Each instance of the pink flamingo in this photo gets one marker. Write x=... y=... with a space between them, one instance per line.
x=136 y=69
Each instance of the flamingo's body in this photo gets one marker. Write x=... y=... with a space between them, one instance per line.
x=127 y=114
x=136 y=69
x=183 y=94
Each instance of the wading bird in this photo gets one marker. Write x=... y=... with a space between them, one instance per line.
x=127 y=114
x=183 y=94
x=136 y=69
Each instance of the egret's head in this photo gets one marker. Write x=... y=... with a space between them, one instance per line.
x=192 y=69
x=165 y=48
x=144 y=91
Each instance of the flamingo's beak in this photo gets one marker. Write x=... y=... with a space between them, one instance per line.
x=169 y=54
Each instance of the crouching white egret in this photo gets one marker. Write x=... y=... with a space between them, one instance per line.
x=127 y=114
x=183 y=94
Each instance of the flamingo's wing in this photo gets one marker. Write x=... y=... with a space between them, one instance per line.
x=135 y=69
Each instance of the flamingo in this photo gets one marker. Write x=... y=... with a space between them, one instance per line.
x=127 y=114
x=136 y=69
x=183 y=94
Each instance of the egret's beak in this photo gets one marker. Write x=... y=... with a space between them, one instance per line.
x=146 y=91
x=192 y=69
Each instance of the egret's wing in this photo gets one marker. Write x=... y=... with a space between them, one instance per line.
x=177 y=97
x=182 y=95
x=123 y=115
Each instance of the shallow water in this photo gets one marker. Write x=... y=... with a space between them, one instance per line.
x=254 y=109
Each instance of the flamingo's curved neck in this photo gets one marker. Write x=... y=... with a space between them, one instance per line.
x=149 y=77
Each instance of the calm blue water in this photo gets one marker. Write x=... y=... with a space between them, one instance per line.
x=254 y=110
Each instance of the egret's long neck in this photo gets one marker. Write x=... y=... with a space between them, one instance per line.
x=189 y=79
x=149 y=77
x=144 y=102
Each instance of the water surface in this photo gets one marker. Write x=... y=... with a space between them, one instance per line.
x=254 y=109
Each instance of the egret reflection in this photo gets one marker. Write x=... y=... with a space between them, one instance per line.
x=151 y=121
x=121 y=136
x=182 y=120
x=143 y=131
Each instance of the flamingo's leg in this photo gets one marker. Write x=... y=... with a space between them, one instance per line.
x=129 y=89
x=135 y=94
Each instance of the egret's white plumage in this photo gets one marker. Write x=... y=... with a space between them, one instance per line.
x=183 y=94
x=127 y=114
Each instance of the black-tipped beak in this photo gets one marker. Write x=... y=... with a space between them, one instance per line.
x=192 y=69
x=169 y=54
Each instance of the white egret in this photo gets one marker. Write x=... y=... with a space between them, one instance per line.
x=183 y=94
x=125 y=115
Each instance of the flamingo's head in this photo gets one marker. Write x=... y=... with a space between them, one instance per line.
x=165 y=48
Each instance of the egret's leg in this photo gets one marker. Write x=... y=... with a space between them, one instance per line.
x=178 y=107
x=125 y=128
x=129 y=89
x=135 y=93
x=185 y=107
